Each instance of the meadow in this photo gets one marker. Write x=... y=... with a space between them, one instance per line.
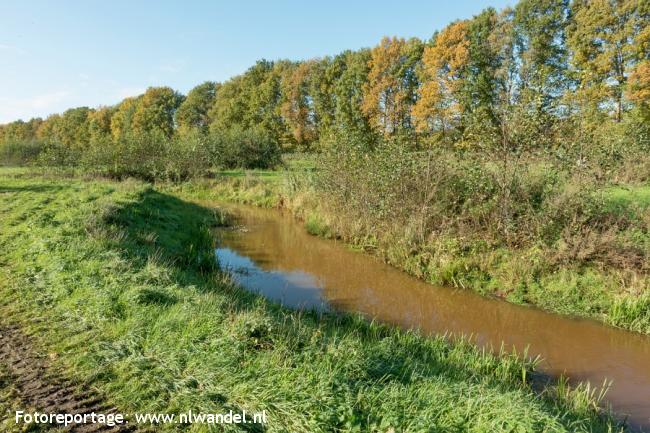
x=117 y=283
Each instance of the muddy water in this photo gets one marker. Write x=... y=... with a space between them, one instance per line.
x=270 y=253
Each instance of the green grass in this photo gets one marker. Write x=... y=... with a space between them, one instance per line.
x=116 y=281
x=269 y=175
x=627 y=198
x=293 y=163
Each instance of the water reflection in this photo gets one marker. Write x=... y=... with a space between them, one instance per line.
x=294 y=289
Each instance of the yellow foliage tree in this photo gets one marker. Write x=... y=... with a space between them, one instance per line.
x=296 y=108
x=438 y=107
x=639 y=84
x=391 y=88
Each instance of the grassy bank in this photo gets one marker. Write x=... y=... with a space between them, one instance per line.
x=596 y=266
x=117 y=283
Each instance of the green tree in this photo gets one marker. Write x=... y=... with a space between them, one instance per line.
x=539 y=31
x=252 y=99
x=324 y=75
x=73 y=128
x=229 y=107
x=193 y=112
x=349 y=117
x=155 y=111
x=122 y=118
x=481 y=89
x=602 y=38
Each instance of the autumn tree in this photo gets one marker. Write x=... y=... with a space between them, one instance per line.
x=297 y=104
x=99 y=123
x=639 y=90
x=542 y=73
x=391 y=90
x=48 y=129
x=444 y=67
x=20 y=131
x=639 y=80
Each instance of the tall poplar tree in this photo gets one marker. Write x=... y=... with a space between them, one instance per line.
x=392 y=84
x=442 y=75
x=297 y=105
x=601 y=39
x=539 y=29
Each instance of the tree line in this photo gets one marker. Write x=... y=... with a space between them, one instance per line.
x=542 y=74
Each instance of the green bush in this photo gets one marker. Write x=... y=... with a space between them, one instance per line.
x=149 y=155
x=152 y=154
x=20 y=152
x=520 y=201
x=56 y=154
x=243 y=148
x=187 y=156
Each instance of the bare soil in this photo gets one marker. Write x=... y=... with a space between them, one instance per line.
x=27 y=379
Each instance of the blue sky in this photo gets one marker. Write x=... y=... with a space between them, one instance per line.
x=57 y=55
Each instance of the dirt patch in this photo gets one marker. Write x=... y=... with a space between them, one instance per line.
x=28 y=380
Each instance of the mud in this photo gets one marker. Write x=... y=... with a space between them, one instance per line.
x=37 y=386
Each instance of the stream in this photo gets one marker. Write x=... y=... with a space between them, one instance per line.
x=272 y=254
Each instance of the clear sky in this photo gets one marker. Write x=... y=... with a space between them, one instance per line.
x=60 y=54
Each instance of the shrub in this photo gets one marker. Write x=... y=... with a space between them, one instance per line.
x=413 y=198
x=243 y=148
x=187 y=156
x=20 y=152
x=56 y=154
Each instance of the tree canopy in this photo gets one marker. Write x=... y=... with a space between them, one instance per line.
x=541 y=66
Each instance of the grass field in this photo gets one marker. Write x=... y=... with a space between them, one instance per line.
x=117 y=283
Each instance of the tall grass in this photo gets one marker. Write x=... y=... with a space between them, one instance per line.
x=110 y=279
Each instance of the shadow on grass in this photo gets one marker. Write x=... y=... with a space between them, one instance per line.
x=179 y=233
x=169 y=229
x=31 y=188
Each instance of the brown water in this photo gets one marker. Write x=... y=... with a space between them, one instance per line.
x=271 y=254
